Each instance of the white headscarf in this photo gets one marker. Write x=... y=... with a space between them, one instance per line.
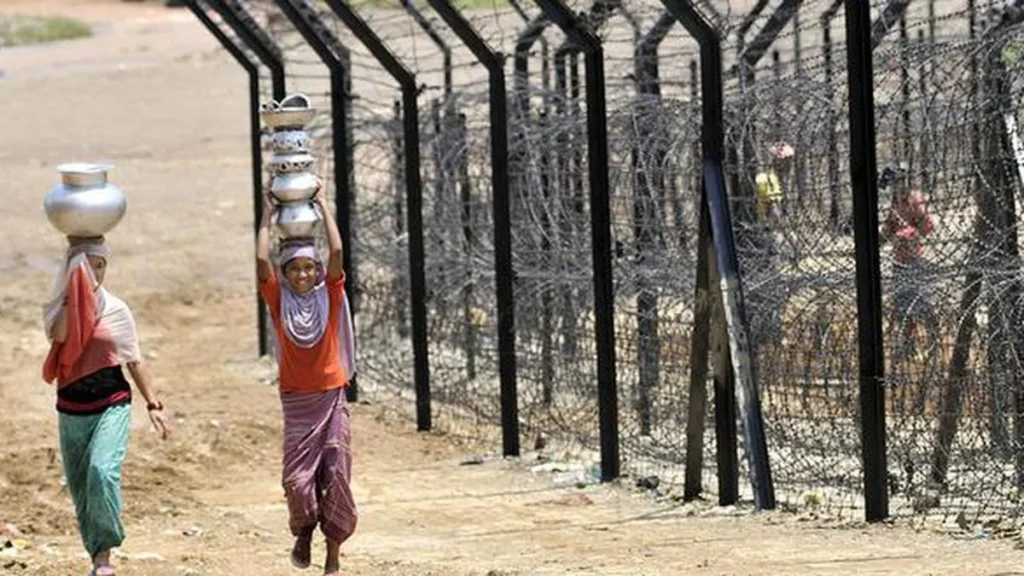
x=75 y=256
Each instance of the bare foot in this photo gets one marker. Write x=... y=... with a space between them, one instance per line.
x=332 y=566
x=301 y=551
x=101 y=564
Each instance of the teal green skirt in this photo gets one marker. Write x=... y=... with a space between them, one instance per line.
x=93 y=448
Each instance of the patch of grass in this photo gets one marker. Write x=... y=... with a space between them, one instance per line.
x=22 y=30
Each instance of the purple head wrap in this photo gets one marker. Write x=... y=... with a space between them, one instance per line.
x=304 y=316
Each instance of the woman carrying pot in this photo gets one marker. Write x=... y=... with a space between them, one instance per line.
x=93 y=336
x=306 y=302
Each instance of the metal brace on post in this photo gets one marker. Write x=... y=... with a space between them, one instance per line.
x=600 y=229
x=505 y=275
x=715 y=198
x=414 y=198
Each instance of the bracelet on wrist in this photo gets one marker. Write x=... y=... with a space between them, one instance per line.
x=155 y=406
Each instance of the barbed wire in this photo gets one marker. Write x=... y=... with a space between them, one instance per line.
x=948 y=84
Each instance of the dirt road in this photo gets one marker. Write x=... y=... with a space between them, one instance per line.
x=152 y=93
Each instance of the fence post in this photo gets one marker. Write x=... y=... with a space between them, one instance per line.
x=255 y=144
x=246 y=29
x=648 y=158
x=713 y=140
x=505 y=275
x=414 y=199
x=833 y=118
x=600 y=223
x=863 y=168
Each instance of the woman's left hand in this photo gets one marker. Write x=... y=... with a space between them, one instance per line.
x=160 y=423
x=321 y=197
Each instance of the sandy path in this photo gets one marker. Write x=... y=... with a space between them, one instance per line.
x=208 y=501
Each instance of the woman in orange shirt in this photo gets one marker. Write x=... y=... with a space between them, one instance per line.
x=305 y=308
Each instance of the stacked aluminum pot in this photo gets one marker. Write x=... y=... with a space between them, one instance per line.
x=294 y=182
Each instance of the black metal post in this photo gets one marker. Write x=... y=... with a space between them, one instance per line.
x=600 y=224
x=713 y=145
x=414 y=199
x=255 y=146
x=833 y=116
x=923 y=88
x=863 y=167
x=648 y=158
x=905 y=130
x=505 y=275
x=521 y=62
x=699 y=344
x=566 y=213
x=246 y=29
x=533 y=32
x=798 y=60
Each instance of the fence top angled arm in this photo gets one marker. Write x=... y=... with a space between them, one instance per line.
x=694 y=22
x=491 y=59
x=830 y=12
x=237 y=51
x=749 y=19
x=426 y=26
x=753 y=52
x=238 y=17
x=249 y=32
x=518 y=7
x=658 y=32
x=578 y=34
x=323 y=32
x=355 y=23
x=534 y=31
x=305 y=22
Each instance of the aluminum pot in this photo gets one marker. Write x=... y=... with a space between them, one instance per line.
x=84 y=204
x=290 y=162
x=293 y=112
x=294 y=186
x=298 y=219
x=285 y=141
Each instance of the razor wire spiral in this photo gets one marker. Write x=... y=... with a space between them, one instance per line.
x=947 y=86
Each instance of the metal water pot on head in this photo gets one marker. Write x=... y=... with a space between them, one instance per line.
x=294 y=181
x=84 y=204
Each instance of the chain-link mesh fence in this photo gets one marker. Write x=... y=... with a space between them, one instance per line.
x=947 y=75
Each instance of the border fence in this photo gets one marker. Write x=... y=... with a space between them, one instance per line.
x=654 y=237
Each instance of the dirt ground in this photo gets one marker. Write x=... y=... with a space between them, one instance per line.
x=153 y=93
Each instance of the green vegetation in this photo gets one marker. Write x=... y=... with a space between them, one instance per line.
x=20 y=30
x=1012 y=51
